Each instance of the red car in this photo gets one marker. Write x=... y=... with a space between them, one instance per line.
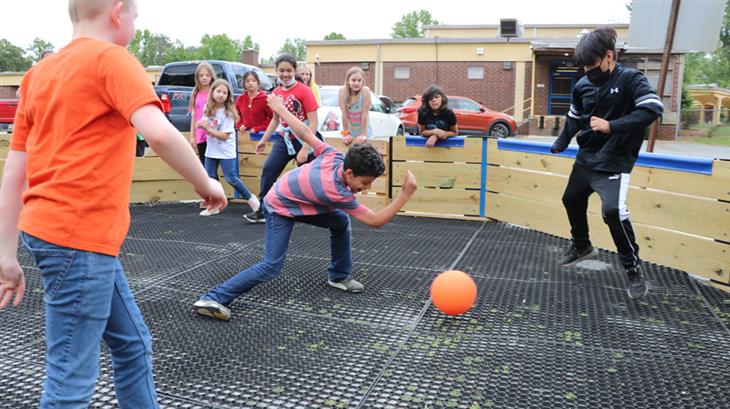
x=7 y=114
x=472 y=118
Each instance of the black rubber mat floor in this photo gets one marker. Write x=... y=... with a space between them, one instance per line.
x=538 y=336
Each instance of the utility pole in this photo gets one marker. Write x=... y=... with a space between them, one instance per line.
x=671 y=27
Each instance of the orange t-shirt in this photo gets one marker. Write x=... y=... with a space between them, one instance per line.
x=73 y=121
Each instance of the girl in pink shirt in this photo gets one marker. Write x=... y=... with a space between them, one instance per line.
x=204 y=76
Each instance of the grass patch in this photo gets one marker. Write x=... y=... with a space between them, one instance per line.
x=718 y=140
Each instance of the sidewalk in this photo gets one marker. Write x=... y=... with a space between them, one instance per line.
x=669 y=147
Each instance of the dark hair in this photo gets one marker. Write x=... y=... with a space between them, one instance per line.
x=431 y=92
x=364 y=160
x=286 y=57
x=253 y=74
x=595 y=45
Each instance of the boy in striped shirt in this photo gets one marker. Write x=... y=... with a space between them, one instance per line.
x=321 y=193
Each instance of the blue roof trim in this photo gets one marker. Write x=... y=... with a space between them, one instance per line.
x=646 y=159
x=453 y=142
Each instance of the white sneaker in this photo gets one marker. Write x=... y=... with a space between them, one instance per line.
x=209 y=212
x=254 y=203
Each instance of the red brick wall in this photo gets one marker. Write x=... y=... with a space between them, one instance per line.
x=528 y=89
x=495 y=90
x=8 y=92
x=665 y=132
x=542 y=76
x=334 y=73
x=676 y=87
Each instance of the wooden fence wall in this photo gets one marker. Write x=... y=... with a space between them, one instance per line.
x=681 y=218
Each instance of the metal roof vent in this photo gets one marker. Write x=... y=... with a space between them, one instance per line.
x=508 y=27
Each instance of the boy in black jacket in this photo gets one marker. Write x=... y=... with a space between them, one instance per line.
x=610 y=109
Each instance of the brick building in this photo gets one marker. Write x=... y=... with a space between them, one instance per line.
x=528 y=73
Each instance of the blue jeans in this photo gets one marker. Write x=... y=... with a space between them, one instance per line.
x=276 y=242
x=276 y=162
x=229 y=173
x=87 y=299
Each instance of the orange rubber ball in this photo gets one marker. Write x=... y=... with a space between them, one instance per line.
x=453 y=292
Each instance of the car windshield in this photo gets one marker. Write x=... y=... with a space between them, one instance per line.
x=407 y=102
x=328 y=96
x=184 y=74
x=264 y=80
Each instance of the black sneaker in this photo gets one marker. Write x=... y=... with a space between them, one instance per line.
x=637 y=285
x=255 y=216
x=574 y=255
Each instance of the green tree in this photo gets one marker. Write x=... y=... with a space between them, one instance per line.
x=334 y=36
x=707 y=68
x=219 y=47
x=36 y=49
x=249 y=44
x=150 y=48
x=180 y=52
x=295 y=47
x=12 y=58
x=411 y=24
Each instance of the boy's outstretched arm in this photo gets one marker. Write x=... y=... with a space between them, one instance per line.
x=12 y=279
x=386 y=214
x=170 y=144
x=299 y=128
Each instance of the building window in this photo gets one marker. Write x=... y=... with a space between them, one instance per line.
x=475 y=73
x=402 y=73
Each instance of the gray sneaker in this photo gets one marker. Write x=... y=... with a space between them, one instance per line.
x=210 y=308
x=349 y=285
x=637 y=287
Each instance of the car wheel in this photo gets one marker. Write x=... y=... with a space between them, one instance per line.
x=499 y=130
x=401 y=131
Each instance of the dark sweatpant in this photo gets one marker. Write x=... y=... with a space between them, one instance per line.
x=612 y=188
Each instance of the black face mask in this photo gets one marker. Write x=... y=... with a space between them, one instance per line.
x=598 y=76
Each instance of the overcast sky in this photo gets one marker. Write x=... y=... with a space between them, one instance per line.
x=270 y=22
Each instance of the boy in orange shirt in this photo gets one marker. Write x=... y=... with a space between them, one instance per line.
x=71 y=157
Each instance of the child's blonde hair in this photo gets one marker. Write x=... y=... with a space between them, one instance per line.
x=228 y=105
x=350 y=93
x=88 y=9
x=202 y=66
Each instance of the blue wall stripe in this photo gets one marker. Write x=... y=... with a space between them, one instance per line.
x=483 y=190
x=650 y=160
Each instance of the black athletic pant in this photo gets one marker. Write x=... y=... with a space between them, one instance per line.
x=612 y=188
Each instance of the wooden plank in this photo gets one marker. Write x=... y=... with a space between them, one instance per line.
x=471 y=152
x=153 y=168
x=716 y=186
x=528 y=161
x=444 y=175
x=150 y=191
x=704 y=217
x=246 y=145
x=696 y=255
x=161 y=191
x=443 y=201
x=373 y=202
x=4 y=144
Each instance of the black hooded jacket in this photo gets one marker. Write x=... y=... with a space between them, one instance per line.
x=628 y=103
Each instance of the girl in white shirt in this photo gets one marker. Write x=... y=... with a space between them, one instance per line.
x=218 y=121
